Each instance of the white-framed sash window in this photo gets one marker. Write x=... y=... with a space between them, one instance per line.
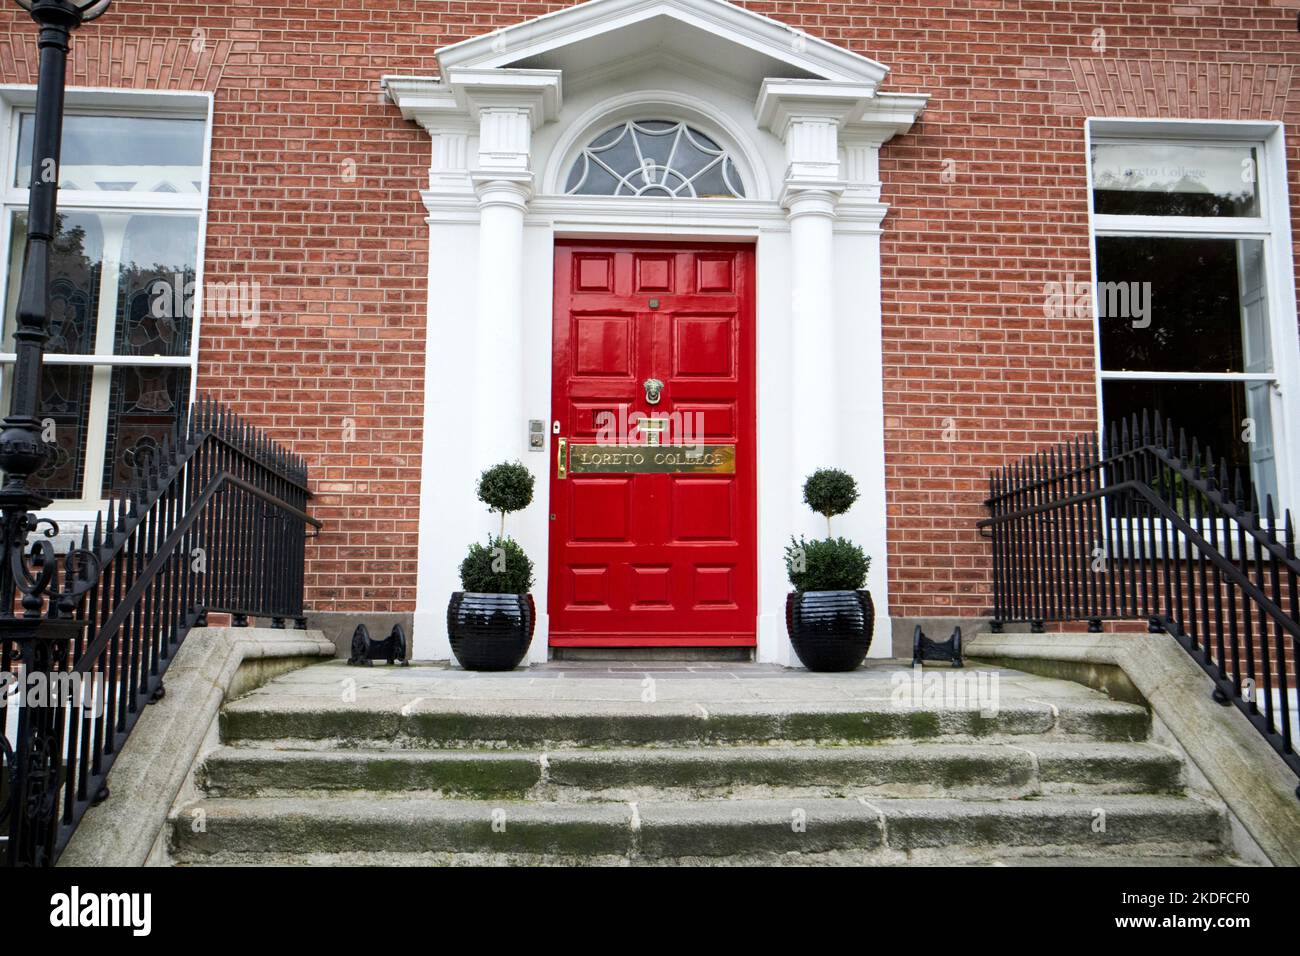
x=126 y=275
x=1192 y=287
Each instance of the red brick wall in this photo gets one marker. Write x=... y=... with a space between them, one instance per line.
x=341 y=259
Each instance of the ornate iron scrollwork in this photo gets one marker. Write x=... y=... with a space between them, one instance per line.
x=36 y=573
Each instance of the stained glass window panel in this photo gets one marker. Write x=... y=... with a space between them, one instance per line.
x=75 y=272
x=156 y=285
x=144 y=403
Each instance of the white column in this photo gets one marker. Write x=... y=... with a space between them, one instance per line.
x=814 y=399
x=508 y=106
x=497 y=399
x=812 y=191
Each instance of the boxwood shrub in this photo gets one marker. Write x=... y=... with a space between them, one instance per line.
x=498 y=567
x=829 y=564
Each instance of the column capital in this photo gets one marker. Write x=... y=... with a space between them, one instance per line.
x=495 y=188
x=810 y=199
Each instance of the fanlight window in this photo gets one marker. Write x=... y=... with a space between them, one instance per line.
x=655 y=158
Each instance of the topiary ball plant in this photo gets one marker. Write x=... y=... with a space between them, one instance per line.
x=832 y=564
x=499 y=567
x=506 y=488
x=490 y=622
x=830 y=492
x=829 y=615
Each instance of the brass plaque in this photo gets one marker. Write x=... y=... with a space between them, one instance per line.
x=652 y=459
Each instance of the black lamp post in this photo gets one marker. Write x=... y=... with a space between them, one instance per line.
x=41 y=643
x=21 y=449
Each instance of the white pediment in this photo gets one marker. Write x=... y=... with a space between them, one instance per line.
x=594 y=35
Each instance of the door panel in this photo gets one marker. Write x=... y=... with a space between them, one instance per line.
x=666 y=556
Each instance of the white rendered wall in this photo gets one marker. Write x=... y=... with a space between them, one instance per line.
x=861 y=403
x=447 y=522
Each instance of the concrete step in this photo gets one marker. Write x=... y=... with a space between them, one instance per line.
x=468 y=723
x=839 y=830
x=929 y=769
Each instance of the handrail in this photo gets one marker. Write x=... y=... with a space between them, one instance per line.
x=1151 y=531
x=217 y=521
x=166 y=551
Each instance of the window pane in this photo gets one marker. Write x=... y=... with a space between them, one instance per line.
x=64 y=409
x=1167 y=179
x=1182 y=305
x=657 y=158
x=1230 y=418
x=156 y=286
x=122 y=154
x=74 y=282
x=152 y=286
x=144 y=402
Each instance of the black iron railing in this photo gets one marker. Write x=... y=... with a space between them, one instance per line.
x=1151 y=527
x=217 y=523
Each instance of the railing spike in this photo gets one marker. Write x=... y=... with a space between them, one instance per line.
x=1169 y=434
x=1124 y=437
x=1182 y=445
x=1290 y=535
x=1159 y=435
x=98 y=540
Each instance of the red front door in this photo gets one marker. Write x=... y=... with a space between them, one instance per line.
x=653 y=539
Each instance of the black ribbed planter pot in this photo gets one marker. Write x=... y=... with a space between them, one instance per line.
x=490 y=632
x=830 y=630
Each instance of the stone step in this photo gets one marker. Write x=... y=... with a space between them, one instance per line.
x=930 y=769
x=452 y=723
x=241 y=830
